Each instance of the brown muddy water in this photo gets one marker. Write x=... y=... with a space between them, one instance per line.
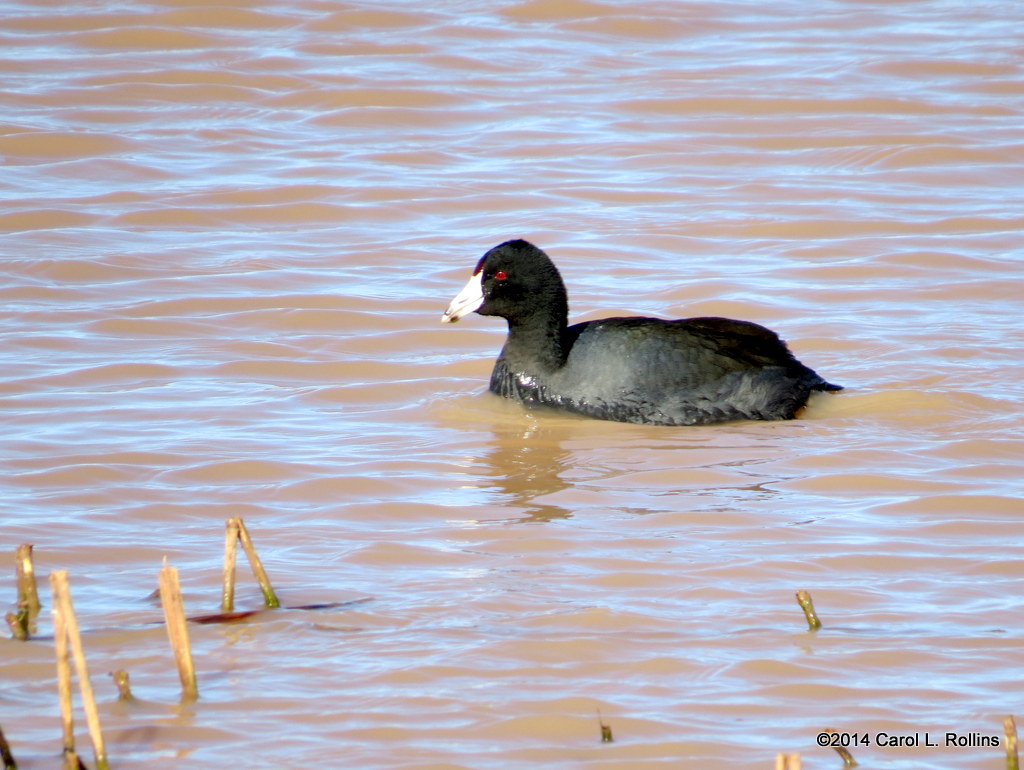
x=229 y=232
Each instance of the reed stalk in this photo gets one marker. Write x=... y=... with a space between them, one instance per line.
x=237 y=532
x=269 y=597
x=5 y=754
x=1012 y=759
x=787 y=761
x=28 y=592
x=227 y=597
x=22 y=622
x=606 y=730
x=67 y=717
x=68 y=634
x=177 y=631
x=124 y=689
x=803 y=598
x=18 y=623
x=843 y=752
x=846 y=756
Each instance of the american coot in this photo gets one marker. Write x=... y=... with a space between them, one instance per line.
x=690 y=371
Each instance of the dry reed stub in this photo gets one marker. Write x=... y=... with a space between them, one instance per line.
x=28 y=591
x=124 y=688
x=236 y=532
x=67 y=713
x=18 y=623
x=843 y=752
x=803 y=598
x=787 y=761
x=5 y=753
x=227 y=597
x=846 y=756
x=66 y=634
x=23 y=622
x=177 y=631
x=269 y=597
x=1012 y=758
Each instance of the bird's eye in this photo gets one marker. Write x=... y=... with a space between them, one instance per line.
x=500 y=275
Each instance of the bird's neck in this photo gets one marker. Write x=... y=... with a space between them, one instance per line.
x=537 y=343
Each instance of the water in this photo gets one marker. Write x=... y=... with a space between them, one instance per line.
x=229 y=234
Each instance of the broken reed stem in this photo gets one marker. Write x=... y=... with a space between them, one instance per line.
x=227 y=596
x=848 y=760
x=606 y=730
x=67 y=719
x=269 y=597
x=5 y=754
x=843 y=752
x=803 y=598
x=787 y=761
x=177 y=632
x=67 y=633
x=22 y=622
x=124 y=689
x=846 y=756
x=18 y=623
x=28 y=593
x=1012 y=759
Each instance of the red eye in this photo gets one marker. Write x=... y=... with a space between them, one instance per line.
x=501 y=275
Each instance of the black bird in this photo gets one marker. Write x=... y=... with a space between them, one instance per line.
x=691 y=371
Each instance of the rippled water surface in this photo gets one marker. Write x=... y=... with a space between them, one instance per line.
x=229 y=233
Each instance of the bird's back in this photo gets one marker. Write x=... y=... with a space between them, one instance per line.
x=679 y=372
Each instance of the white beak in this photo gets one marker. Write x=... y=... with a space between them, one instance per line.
x=466 y=301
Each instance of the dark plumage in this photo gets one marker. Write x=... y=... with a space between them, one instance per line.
x=690 y=371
